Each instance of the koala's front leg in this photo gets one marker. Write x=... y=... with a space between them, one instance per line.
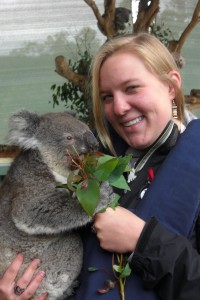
x=106 y=196
x=54 y=211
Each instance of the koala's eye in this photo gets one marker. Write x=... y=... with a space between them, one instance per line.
x=69 y=137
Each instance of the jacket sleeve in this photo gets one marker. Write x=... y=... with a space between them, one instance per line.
x=167 y=263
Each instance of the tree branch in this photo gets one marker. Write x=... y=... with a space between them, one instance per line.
x=145 y=16
x=106 y=22
x=96 y=12
x=176 y=46
x=109 y=18
x=192 y=101
x=63 y=69
x=193 y=106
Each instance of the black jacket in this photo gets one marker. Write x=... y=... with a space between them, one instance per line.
x=167 y=263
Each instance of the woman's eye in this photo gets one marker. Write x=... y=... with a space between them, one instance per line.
x=105 y=98
x=132 y=88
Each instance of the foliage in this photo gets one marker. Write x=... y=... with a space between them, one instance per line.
x=121 y=270
x=162 y=33
x=90 y=172
x=75 y=98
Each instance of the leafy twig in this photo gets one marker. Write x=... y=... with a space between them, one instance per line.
x=91 y=171
x=121 y=271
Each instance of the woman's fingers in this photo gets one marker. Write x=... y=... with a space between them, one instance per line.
x=13 y=269
x=25 y=279
x=42 y=297
x=32 y=287
x=25 y=286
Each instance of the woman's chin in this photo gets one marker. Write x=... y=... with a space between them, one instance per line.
x=137 y=142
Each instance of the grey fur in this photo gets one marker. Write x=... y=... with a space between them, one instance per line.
x=36 y=217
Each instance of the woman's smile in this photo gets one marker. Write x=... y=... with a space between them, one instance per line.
x=133 y=122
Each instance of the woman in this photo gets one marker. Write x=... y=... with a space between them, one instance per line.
x=136 y=86
x=139 y=108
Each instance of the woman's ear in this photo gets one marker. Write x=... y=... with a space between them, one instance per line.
x=176 y=79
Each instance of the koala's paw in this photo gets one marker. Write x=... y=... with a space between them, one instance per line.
x=106 y=195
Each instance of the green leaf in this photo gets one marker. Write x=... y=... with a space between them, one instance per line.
x=92 y=269
x=126 y=271
x=53 y=87
x=92 y=158
x=104 y=158
x=128 y=168
x=62 y=186
x=71 y=179
x=121 y=167
x=115 y=202
x=104 y=170
x=125 y=159
x=88 y=197
x=120 y=183
x=118 y=268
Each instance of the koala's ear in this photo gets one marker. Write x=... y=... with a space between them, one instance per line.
x=22 y=128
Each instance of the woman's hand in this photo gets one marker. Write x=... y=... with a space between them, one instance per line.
x=118 y=229
x=24 y=287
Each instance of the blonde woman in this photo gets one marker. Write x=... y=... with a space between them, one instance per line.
x=138 y=107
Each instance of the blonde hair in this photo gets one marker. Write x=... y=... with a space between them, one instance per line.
x=155 y=57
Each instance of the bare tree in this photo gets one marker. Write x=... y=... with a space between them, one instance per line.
x=114 y=19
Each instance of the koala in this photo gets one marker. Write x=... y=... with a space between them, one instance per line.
x=36 y=217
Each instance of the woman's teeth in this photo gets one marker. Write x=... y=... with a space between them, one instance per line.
x=133 y=122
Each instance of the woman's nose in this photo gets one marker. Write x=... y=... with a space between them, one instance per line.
x=120 y=105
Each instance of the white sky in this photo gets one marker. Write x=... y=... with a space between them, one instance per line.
x=28 y=20
x=34 y=20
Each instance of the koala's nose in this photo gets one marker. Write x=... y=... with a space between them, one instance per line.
x=91 y=141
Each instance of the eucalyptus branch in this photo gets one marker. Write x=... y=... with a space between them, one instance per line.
x=121 y=271
x=90 y=172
